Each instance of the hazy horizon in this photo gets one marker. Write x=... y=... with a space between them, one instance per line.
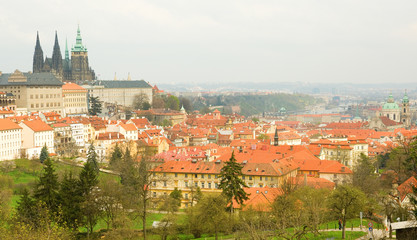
x=222 y=41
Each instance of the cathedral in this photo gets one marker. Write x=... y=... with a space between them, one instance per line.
x=75 y=69
x=394 y=112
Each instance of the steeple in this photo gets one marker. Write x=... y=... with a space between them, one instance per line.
x=79 y=43
x=66 y=50
x=128 y=77
x=57 y=57
x=276 y=137
x=405 y=98
x=38 y=56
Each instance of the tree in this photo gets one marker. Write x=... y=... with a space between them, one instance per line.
x=88 y=180
x=116 y=156
x=110 y=200
x=137 y=179
x=176 y=195
x=209 y=212
x=186 y=103
x=263 y=137
x=158 y=102
x=44 y=154
x=46 y=189
x=26 y=209
x=173 y=103
x=346 y=201
x=231 y=183
x=92 y=157
x=141 y=101
x=70 y=200
x=364 y=176
x=95 y=106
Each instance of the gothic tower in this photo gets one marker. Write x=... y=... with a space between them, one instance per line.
x=81 y=71
x=276 y=140
x=405 y=113
x=57 y=58
x=38 y=56
x=67 y=64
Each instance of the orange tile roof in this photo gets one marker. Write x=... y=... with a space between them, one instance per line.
x=260 y=198
x=129 y=127
x=407 y=187
x=72 y=86
x=38 y=125
x=7 y=124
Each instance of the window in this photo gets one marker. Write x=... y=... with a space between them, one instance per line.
x=202 y=176
x=154 y=183
x=250 y=177
x=243 y=177
x=196 y=184
x=260 y=178
x=165 y=174
x=165 y=183
x=202 y=185
x=216 y=185
x=209 y=185
x=186 y=196
x=154 y=194
x=209 y=176
x=195 y=175
x=186 y=175
x=186 y=184
x=176 y=174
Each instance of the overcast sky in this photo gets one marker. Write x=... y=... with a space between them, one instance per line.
x=222 y=41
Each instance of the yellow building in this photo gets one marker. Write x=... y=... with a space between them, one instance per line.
x=187 y=176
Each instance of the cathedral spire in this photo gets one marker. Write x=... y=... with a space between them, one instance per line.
x=66 y=50
x=276 y=138
x=38 y=56
x=57 y=57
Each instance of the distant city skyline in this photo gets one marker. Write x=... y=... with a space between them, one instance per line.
x=222 y=41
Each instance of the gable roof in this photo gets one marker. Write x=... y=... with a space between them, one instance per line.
x=33 y=79
x=7 y=124
x=407 y=187
x=38 y=125
x=124 y=84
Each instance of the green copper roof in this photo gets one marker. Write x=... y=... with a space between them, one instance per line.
x=405 y=98
x=79 y=43
x=390 y=104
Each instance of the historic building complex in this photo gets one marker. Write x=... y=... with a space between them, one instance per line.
x=76 y=69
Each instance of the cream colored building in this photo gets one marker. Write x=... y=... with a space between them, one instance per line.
x=75 y=99
x=121 y=92
x=35 y=135
x=10 y=140
x=34 y=91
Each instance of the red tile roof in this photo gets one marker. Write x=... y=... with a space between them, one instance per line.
x=38 y=125
x=72 y=86
x=7 y=124
x=407 y=187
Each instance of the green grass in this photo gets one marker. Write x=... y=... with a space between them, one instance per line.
x=335 y=235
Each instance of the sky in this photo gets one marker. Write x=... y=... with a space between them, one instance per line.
x=219 y=41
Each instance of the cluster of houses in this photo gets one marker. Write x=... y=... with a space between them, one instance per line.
x=191 y=153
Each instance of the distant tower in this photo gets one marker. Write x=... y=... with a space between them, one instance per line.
x=38 y=56
x=67 y=64
x=57 y=58
x=405 y=113
x=79 y=61
x=276 y=137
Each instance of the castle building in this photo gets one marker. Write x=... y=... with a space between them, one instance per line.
x=75 y=99
x=34 y=91
x=76 y=69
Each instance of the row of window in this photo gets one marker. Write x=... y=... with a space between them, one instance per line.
x=36 y=96
x=209 y=176
x=75 y=99
x=47 y=105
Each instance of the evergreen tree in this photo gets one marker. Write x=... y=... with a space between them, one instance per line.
x=70 y=199
x=230 y=182
x=26 y=209
x=116 y=156
x=44 y=154
x=88 y=178
x=92 y=158
x=46 y=189
x=176 y=195
x=89 y=206
x=95 y=106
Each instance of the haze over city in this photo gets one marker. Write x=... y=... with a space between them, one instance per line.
x=222 y=41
